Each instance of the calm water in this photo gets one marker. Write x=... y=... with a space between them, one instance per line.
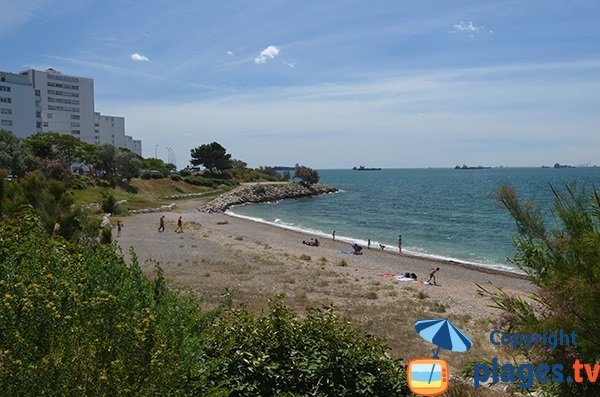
x=443 y=213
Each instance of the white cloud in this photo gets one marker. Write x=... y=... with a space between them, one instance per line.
x=139 y=57
x=268 y=53
x=470 y=28
x=229 y=52
x=290 y=64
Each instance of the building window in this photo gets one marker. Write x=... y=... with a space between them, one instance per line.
x=59 y=85
x=5 y=111
x=75 y=132
x=6 y=123
x=62 y=78
x=4 y=99
x=38 y=114
x=4 y=88
x=49 y=115
x=38 y=124
x=37 y=93
x=63 y=93
x=67 y=101
x=74 y=117
x=75 y=125
x=45 y=124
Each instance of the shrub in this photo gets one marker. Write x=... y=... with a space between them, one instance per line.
x=109 y=203
x=76 y=319
x=564 y=265
x=277 y=354
x=105 y=236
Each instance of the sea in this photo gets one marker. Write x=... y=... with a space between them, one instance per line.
x=448 y=214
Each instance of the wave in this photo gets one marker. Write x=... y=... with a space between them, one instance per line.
x=412 y=251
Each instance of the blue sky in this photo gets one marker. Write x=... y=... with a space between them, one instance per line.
x=332 y=84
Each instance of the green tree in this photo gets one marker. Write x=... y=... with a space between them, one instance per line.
x=128 y=164
x=307 y=175
x=211 y=156
x=106 y=160
x=55 y=146
x=15 y=156
x=563 y=263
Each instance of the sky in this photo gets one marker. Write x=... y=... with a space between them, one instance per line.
x=331 y=84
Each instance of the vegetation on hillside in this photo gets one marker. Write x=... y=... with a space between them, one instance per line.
x=564 y=264
x=60 y=176
x=77 y=319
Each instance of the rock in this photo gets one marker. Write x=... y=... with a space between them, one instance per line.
x=262 y=193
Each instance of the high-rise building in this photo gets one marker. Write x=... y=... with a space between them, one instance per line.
x=63 y=103
x=50 y=101
x=17 y=113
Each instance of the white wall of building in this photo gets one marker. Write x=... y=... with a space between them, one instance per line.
x=17 y=112
x=110 y=129
x=137 y=147
x=63 y=103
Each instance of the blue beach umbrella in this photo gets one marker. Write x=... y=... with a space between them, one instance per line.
x=443 y=334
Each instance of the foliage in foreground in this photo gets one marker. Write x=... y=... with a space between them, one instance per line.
x=564 y=265
x=76 y=319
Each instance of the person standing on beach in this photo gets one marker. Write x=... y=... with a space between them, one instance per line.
x=333 y=234
x=179 y=228
x=161 y=224
x=400 y=243
x=119 y=227
x=369 y=244
x=432 y=275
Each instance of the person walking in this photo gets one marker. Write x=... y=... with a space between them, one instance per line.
x=400 y=243
x=333 y=234
x=119 y=227
x=179 y=228
x=161 y=224
x=369 y=244
x=432 y=275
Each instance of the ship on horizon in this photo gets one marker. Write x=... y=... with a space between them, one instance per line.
x=363 y=168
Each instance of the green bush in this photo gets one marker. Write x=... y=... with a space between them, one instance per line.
x=277 y=354
x=563 y=263
x=200 y=181
x=76 y=319
x=109 y=203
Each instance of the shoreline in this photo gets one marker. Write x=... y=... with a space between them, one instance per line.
x=218 y=254
x=480 y=267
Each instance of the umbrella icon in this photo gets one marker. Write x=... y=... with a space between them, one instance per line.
x=443 y=334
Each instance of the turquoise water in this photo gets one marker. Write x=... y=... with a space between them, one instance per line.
x=444 y=213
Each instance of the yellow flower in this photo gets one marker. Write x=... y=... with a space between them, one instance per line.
x=50 y=304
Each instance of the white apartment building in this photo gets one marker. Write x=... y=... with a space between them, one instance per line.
x=17 y=113
x=63 y=103
x=49 y=101
x=111 y=130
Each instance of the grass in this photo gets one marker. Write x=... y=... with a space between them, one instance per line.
x=149 y=195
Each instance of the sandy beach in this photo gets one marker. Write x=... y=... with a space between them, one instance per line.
x=218 y=253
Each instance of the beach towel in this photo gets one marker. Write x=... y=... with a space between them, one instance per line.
x=403 y=278
x=388 y=275
x=344 y=252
